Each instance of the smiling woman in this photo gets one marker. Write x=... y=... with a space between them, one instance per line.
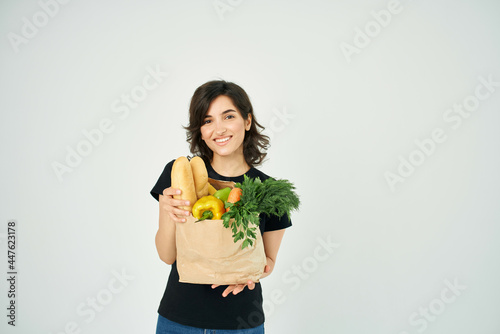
x=224 y=132
x=218 y=101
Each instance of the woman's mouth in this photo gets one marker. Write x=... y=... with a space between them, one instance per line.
x=222 y=141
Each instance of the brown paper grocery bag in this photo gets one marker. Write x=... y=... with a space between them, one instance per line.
x=207 y=254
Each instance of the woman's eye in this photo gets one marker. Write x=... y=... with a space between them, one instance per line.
x=206 y=121
x=229 y=116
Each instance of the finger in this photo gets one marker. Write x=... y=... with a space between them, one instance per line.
x=228 y=290
x=267 y=268
x=251 y=285
x=177 y=215
x=238 y=289
x=169 y=201
x=167 y=198
x=215 y=285
x=176 y=218
x=174 y=212
x=171 y=191
x=179 y=212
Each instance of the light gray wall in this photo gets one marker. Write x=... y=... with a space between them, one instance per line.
x=398 y=232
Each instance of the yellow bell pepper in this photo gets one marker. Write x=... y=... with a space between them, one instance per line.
x=208 y=207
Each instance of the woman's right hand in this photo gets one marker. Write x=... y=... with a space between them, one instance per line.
x=171 y=205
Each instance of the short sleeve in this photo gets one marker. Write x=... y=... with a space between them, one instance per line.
x=274 y=223
x=163 y=182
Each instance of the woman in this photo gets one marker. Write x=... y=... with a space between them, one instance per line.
x=223 y=131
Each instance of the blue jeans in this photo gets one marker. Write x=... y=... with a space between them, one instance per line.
x=165 y=326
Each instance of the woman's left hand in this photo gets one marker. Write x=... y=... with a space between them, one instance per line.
x=237 y=288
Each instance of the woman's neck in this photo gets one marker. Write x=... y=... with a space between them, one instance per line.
x=229 y=166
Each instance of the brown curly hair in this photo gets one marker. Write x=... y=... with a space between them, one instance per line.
x=254 y=144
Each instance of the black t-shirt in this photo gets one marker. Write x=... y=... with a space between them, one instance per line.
x=198 y=305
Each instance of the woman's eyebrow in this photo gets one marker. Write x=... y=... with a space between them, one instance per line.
x=229 y=110
x=224 y=112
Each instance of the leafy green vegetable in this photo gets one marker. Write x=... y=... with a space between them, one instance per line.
x=271 y=197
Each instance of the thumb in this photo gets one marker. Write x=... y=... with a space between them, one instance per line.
x=267 y=268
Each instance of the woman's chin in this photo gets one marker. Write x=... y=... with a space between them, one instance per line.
x=227 y=152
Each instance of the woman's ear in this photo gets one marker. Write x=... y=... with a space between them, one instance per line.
x=248 y=122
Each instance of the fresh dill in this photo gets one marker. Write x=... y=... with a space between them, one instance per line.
x=270 y=197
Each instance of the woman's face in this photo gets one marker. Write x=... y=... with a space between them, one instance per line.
x=223 y=128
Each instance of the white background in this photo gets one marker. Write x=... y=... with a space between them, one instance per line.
x=339 y=123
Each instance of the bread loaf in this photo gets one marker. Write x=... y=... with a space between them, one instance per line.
x=211 y=189
x=182 y=178
x=200 y=176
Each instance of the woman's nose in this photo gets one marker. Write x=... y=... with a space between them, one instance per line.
x=220 y=132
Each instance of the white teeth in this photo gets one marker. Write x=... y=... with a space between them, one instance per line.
x=222 y=140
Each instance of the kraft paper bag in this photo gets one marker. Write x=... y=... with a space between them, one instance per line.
x=207 y=254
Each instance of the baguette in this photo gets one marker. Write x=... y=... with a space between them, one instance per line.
x=200 y=176
x=182 y=178
x=211 y=189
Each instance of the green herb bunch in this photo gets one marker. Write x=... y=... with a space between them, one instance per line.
x=271 y=197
